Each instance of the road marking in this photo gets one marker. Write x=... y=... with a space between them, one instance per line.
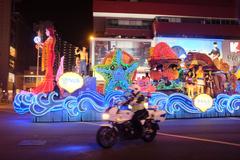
x=92 y=123
x=234 y=118
x=199 y=139
x=183 y=137
x=32 y=142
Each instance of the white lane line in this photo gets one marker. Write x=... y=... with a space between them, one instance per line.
x=235 y=118
x=92 y=123
x=199 y=139
x=183 y=137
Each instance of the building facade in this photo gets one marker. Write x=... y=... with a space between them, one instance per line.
x=149 y=18
x=66 y=49
x=186 y=26
x=29 y=79
x=16 y=49
x=5 y=25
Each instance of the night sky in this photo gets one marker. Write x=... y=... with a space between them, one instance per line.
x=71 y=18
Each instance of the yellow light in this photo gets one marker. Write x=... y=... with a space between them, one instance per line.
x=18 y=91
x=91 y=37
x=146 y=105
x=70 y=81
x=203 y=102
x=12 y=51
x=105 y=116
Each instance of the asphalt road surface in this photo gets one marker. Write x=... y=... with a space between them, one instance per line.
x=188 y=139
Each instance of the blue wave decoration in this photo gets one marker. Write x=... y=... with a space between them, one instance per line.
x=88 y=100
x=233 y=103
x=158 y=99
x=178 y=101
x=43 y=104
x=113 y=97
x=173 y=103
x=22 y=102
x=225 y=102
x=221 y=102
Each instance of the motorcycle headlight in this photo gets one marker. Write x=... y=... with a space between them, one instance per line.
x=146 y=105
x=105 y=116
x=129 y=107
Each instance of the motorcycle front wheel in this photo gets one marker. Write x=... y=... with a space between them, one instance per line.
x=106 y=137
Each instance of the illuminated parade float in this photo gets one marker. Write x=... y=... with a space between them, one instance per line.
x=186 y=77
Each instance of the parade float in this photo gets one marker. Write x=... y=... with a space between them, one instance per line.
x=82 y=98
x=165 y=68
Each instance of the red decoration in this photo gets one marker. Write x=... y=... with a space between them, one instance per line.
x=163 y=51
x=170 y=74
x=156 y=75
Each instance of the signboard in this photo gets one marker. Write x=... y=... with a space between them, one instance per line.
x=70 y=81
x=185 y=45
x=203 y=102
x=231 y=50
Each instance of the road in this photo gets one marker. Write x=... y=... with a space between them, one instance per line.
x=191 y=139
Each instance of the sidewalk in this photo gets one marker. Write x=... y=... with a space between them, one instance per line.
x=6 y=106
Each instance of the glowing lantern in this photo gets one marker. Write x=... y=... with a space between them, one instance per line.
x=37 y=39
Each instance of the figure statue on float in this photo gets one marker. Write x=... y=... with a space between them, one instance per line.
x=190 y=84
x=83 y=56
x=209 y=84
x=200 y=80
x=215 y=54
x=48 y=58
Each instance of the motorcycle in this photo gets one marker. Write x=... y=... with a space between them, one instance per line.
x=121 y=127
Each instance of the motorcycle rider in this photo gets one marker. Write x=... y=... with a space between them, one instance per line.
x=138 y=108
x=130 y=95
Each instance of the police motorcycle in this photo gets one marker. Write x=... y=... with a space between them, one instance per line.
x=120 y=127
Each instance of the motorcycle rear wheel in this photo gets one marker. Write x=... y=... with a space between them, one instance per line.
x=106 y=137
x=150 y=132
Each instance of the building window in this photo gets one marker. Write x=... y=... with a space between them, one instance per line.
x=196 y=20
x=29 y=79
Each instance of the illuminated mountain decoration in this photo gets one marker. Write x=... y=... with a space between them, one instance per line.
x=117 y=73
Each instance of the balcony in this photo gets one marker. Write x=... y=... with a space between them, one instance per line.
x=196 y=30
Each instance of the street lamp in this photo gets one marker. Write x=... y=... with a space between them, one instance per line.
x=37 y=40
x=91 y=38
